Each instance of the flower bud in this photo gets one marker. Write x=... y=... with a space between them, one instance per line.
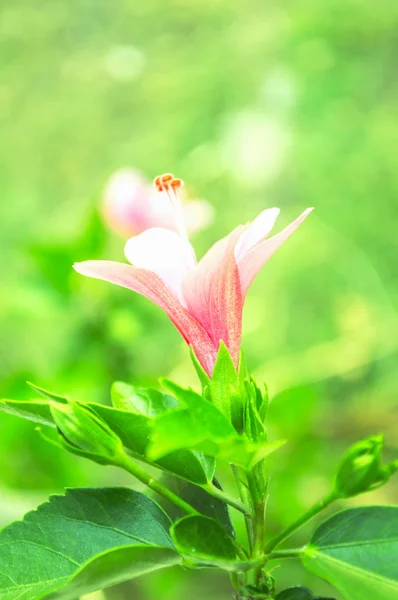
x=361 y=468
x=85 y=431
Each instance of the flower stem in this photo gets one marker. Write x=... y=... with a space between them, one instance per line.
x=258 y=499
x=288 y=531
x=220 y=495
x=124 y=462
x=245 y=497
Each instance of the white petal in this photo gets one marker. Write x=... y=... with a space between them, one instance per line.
x=256 y=232
x=165 y=253
x=250 y=264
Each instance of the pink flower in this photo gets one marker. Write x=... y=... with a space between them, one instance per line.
x=131 y=205
x=204 y=300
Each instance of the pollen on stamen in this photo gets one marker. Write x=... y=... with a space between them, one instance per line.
x=164 y=183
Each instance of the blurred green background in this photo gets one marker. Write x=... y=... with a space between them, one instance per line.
x=254 y=104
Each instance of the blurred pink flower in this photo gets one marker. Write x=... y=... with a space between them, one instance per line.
x=131 y=205
x=204 y=300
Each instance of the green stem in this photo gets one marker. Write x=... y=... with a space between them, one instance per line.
x=294 y=553
x=245 y=497
x=220 y=495
x=258 y=499
x=124 y=462
x=288 y=531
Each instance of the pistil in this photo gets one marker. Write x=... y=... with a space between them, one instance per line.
x=170 y=185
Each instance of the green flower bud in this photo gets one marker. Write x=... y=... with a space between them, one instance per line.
x=84 y=431
x=361 y=468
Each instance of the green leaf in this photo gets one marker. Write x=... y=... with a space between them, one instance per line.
x=202 y=426
x=204 y=541
x=224 y=390
x=295 y=593
x=134 y=431
x=203 y=376
x=356 y=550
x=47 y=394
x=147 y=402
x=81 y=542
x=37 y=411
x=198 y=498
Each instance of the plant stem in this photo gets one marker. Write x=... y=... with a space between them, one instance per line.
x=124 y=462
x=258 y=498
x=220 y=495
x=314 y=510
x=245 y=497
x=294 y=553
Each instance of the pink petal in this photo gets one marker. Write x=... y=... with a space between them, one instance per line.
x=165 y=253
x=250 y=263
x=126 y=202
x=256 y=231
x=151 y=286
x=226 y=306
x=196 y=286
x=213 y=293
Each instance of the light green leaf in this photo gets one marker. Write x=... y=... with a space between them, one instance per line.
x=224 y=390
x=204 y=541
x=134 y=431
x=356 y=550
x=147 y=402
x=81 y=542
x=203 y=376
x=202 y=426
x=37 y=411
x=47 y=394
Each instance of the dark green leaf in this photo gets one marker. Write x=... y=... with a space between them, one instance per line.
x=356 y=550
x=198 y=498
x=204 y=541
x=295 y=593
x=81 y=542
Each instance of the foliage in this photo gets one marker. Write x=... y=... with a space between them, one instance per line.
x=92 y=539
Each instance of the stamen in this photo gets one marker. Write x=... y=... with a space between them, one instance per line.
x=169 y=184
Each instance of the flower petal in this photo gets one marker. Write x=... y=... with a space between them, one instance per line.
x=126 y=202
x=165 y=253
x=251 y=262
x=226 y=306
x=196 y=286
x=256 y=231
x=213 y=293
x=152 y=287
